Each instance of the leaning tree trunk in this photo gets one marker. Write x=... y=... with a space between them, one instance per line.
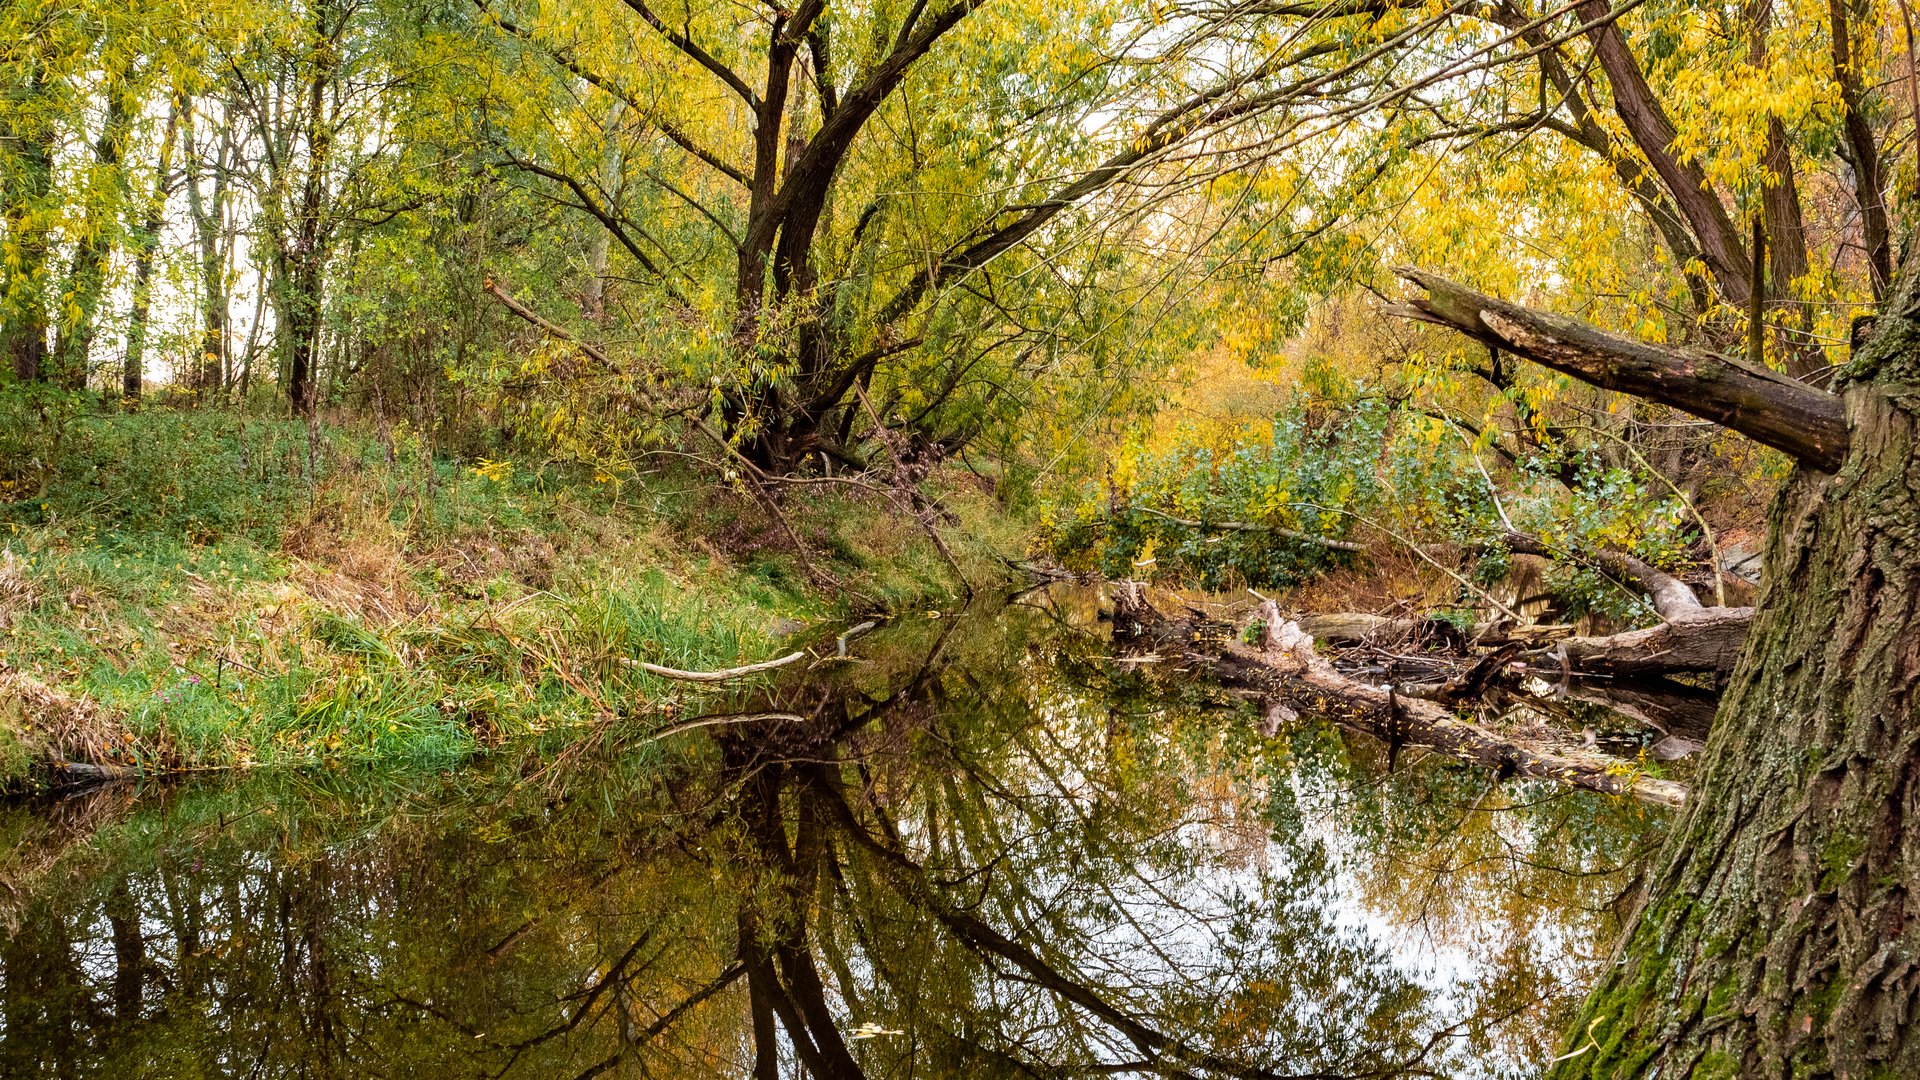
x=1778 y=936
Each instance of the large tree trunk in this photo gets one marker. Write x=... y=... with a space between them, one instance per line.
x=1777 y=936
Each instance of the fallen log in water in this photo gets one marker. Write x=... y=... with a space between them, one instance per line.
x=1360 y=628
x=1708 y=640
x=1705 y=640
x=1285 y=672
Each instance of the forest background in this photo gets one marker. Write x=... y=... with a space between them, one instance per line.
x=334 y=326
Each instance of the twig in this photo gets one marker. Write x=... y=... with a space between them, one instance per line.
x=1248 y=526
x=714 y=676
x=1420 y=550
x=901 y=479
x=715 y=721
x=1706 y=530
x=754 y=474
x=850 y=633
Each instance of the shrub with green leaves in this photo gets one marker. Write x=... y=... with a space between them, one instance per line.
x=1250 y=508
x=1275 y=505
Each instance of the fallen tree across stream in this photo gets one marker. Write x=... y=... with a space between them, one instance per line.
x=1285 y=673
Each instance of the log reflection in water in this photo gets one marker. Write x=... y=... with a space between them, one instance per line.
x=984 y=850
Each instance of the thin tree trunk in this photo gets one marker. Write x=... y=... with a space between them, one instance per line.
x=129 y=953
x=1646 y=121
x=1859 y=148
x=1786 y=231
x=106 y=195
x=244 y=378
x=209 y=219
x=146 y=241
x=612 y=170
x=23 y=301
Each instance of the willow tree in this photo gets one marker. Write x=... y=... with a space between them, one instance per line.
x=909 y=215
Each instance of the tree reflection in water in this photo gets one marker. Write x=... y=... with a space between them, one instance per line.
x=982 y=850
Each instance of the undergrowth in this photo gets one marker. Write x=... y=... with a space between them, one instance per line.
x=1329 y=484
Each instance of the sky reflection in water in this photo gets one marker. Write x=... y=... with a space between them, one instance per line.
x=985 y=852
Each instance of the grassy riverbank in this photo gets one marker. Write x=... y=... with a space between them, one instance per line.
x=183 y=591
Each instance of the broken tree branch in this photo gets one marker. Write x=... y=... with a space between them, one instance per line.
x=493 y=289
x=715 y=676
x=1708 y=641
x=1773 y=409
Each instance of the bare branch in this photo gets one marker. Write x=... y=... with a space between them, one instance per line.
x=715 y=676
x=700 y=56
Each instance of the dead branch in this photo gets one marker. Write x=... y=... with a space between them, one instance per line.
x=1776 y=410
x=756 y=479
x=1360 y=628
x=1707 y=641
x=1284 y=671
x=492 y=288
x=1247 y=526
x=1286 y=663
x=722 y=675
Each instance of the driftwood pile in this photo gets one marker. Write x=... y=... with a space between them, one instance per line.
x=1410 y=681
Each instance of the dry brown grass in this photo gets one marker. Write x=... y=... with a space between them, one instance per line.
x=478 y=556
x=52 y=725
x=351 y=559
x=1389 y=581
x=17 y=590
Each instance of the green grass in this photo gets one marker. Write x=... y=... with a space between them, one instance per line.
x=181 y=572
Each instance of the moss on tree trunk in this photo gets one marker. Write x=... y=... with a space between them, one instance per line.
x=1776 y=937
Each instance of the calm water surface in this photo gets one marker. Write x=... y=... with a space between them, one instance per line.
x=982 y=849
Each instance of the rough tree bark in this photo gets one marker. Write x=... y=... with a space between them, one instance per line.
x=1777 y=935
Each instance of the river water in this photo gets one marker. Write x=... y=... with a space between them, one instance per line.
x=978 y=848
